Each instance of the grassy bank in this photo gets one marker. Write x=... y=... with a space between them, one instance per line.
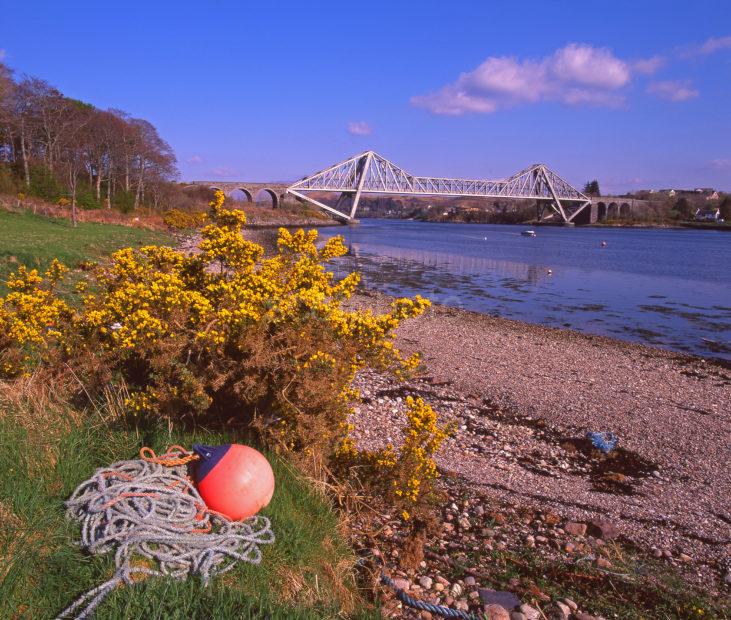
x=35 y=240
x=307 y=573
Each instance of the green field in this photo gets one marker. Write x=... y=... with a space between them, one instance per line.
x=34 y=241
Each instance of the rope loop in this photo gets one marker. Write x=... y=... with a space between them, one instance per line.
x=174 y=456
x=149 y=513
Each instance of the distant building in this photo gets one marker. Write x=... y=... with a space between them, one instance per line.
x=707 y=215
x=712 y=196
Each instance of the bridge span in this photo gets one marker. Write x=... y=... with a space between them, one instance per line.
x=370 y=173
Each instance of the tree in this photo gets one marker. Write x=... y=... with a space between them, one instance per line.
x=725 y=208
x=592 y=188
x=683 y=208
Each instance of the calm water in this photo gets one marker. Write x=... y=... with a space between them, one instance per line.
x=666 y=288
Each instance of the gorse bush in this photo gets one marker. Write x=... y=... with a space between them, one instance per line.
x=182 y=220
x=224 y=336
x=405 y=474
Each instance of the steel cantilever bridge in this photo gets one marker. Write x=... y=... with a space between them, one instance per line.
x=370 y=173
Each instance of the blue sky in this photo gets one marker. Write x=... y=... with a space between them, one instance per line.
x=635 y=93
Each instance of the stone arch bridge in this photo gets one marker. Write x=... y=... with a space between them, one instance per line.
x=613 y=208
x=252 y=191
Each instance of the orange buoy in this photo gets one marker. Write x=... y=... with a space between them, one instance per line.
x=235 y=480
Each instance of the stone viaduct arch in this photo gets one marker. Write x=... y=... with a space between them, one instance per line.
x=252 y=191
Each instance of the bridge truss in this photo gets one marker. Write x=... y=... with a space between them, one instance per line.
x=370 y=173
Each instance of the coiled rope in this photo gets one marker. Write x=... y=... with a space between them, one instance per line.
x=439 y=610
x=149 y=510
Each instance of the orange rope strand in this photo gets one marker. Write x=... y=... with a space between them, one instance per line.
x=171 y=458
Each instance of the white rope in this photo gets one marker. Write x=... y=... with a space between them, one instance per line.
x=155 y=514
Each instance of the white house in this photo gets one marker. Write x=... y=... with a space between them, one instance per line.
x=707 y=215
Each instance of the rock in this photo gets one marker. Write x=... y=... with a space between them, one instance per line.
x=575 y=529
x=425 y=615
x=439 y=586
x=462 y=605
x=572 y=605
x=602 y=528
x=496 y=612
x=499 y=597
x=464 y=523
x=569 y=548
x=442 y=580
x=727 y=578
x=603 y=563
x=530 y=541
x=541 y=539
x=516 y=615
x=473 y=595
x=469 y=580
x=559 y=611
x=448 y=527
x=657 y=553
x=456 y=590
x=685 y=557
x=402 y=584
x=531 y=613
x=426 y=582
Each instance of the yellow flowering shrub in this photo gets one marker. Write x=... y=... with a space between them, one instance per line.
x=410 y=471
x=183 y=220
x=225 y=336
x=32 y=319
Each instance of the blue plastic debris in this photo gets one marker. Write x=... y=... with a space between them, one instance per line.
x=605 y=441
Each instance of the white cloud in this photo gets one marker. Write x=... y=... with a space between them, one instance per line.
x=359 y=128
x=575 y=74
x=223 y=172
x=673 y=90
x=715 y=44
x=721 y=164
x=648 y=66
x=195 y=159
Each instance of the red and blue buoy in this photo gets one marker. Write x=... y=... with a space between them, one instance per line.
x=234 y=480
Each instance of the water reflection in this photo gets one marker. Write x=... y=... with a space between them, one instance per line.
x=665 y=288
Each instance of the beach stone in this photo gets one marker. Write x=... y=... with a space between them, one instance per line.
x=531 y=613
x=516 y=615
x=602 y=528
x=469 y=580
x=464 y=523
x=559 y=611
x=496 y=612
x=426 y=582
x=403 y=584
x=582 y=616
x=603 y=563
x=456 y=589
x=575 y=529
x=573 y=606
x=499 y=597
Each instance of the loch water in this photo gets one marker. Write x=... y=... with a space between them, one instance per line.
x=669 y=288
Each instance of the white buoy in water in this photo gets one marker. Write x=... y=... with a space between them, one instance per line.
x=549 y=272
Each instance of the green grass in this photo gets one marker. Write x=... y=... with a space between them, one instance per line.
x=34 y=241
x=42 y=571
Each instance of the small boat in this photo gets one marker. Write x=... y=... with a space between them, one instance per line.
x=529 y=233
